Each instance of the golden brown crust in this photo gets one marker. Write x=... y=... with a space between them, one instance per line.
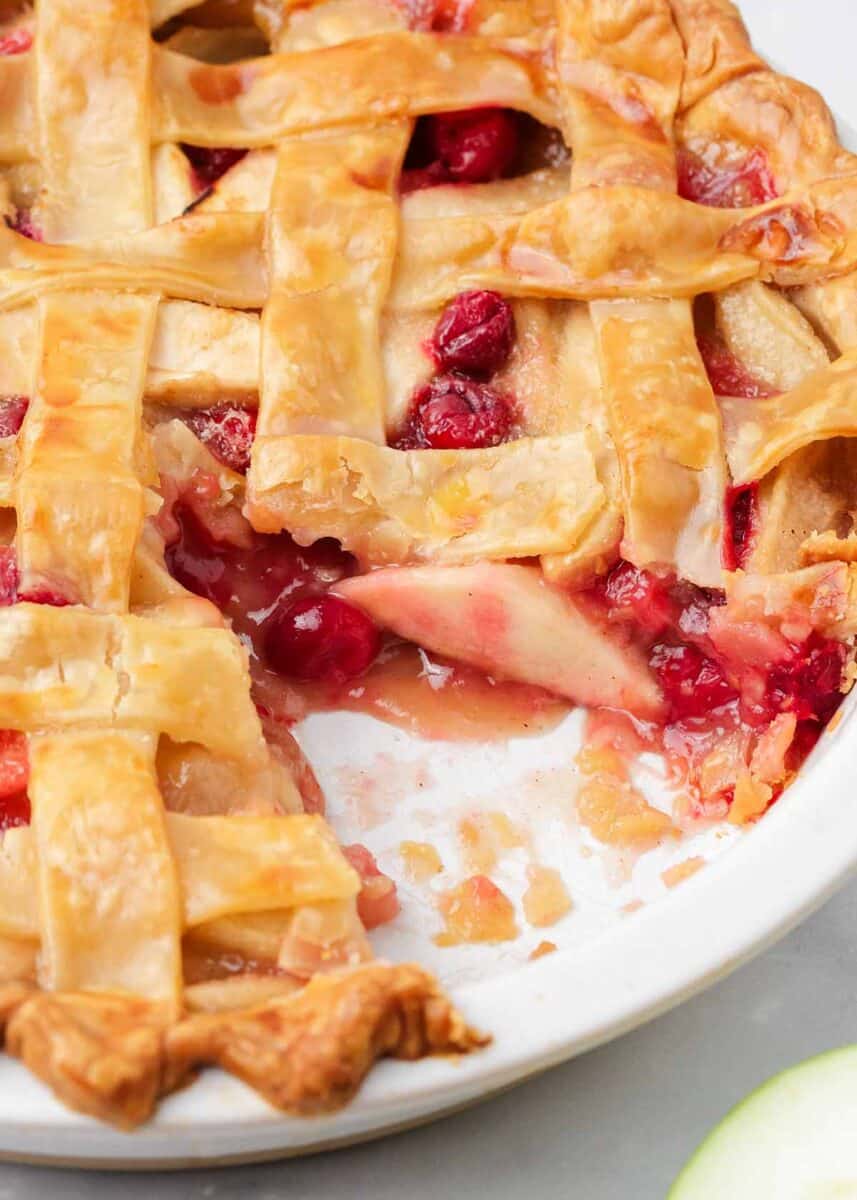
x=309 y=1053
x=112 y=1056
x=717 y=48
x=101 y=1055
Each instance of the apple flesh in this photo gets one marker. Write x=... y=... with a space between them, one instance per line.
x=793 y=1139
x=510 y=623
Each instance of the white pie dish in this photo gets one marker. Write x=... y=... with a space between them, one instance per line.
x=539 y=1014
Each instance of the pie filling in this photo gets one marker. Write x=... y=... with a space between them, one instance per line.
x=372 y=395
x=721 y=176
x=311 y=649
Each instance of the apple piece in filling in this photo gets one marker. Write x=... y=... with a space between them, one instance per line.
x=506 y=620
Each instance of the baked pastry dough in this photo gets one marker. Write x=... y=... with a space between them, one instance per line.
x=237 y=319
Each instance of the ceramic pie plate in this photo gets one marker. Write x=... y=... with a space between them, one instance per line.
x=629 y=949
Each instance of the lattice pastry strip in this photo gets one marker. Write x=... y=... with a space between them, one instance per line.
x=666 y=428
x=821 y=407
x=224 y=867
x=93 y=130
x=108 y=891
x=332 y=237
x=218 y=259
x=577 y=248
x=662 y=414
x=198 y=354
x=532 y=496
x=396 y=75
x=68 y=667
x=77 y=493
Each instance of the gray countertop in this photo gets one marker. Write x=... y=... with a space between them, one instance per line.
x=615 y=1124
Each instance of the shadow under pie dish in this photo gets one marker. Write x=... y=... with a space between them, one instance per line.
x=319 y=345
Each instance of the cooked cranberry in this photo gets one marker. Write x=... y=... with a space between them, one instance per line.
x=24 y=224
x=248 y=575
x=416 y=179
x=45 y=595
x=14 y=810
x=210 y=163
x=808 y=684
x=321 y=637
x=693 y=684
x=742 y=185
x=635 y=594
x=13 y=409
x=696 y=604
x=227 y=431
x=377 y=901
x=14 y=775
x=16 y=42
x=475 y=334
x=436 y=16
x=726 y=374
x=741 y=525
x=476 y=145
x=450 y=413
x=8 y=576
x=472 y=146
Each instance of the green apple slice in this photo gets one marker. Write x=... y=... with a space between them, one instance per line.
x=793 y=1139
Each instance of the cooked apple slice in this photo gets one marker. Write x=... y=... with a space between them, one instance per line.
x=507 y=621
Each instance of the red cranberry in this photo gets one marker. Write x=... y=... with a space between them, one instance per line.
x=808 y=684
x=13 y=409
x=474 y=334
x=728 y=376
x=210 y=163
x=321 y=637
x=227 y=431
x=14 y=775
x=693 y=684
x=14 y=810
x=634 y=594
x=743 y=185
x=450 y=413
x=476 y=145
x=16 y=42
x=741 y=525
x=250 y=576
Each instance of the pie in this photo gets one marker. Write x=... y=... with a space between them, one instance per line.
x=346 y=341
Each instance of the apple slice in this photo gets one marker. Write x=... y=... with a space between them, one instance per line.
x=507 y=621
x=792 y=1138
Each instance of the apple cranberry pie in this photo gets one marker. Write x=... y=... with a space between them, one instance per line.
x=342 y=337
